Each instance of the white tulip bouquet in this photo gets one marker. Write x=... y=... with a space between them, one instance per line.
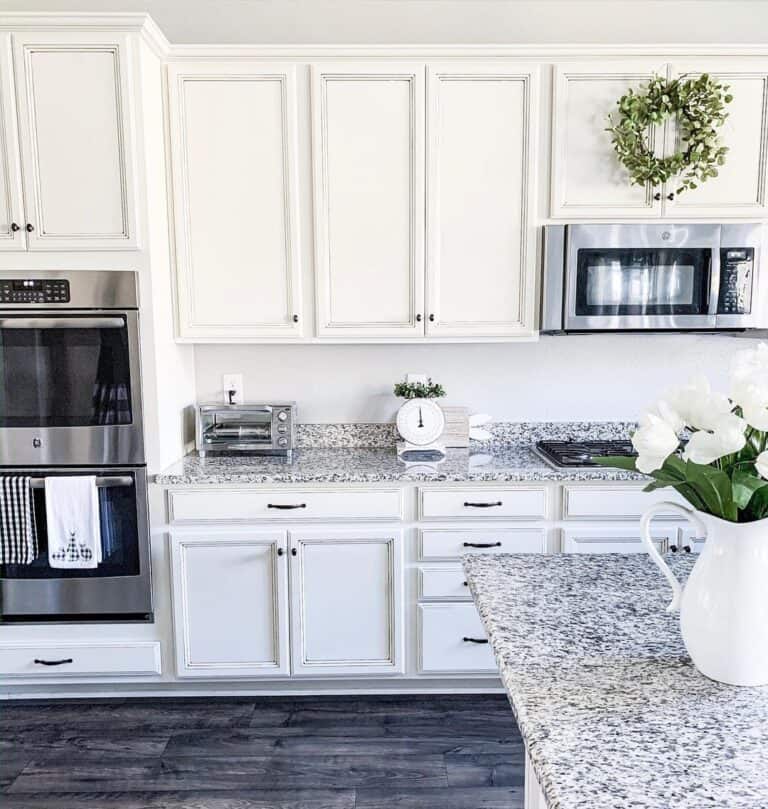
x=722 y=467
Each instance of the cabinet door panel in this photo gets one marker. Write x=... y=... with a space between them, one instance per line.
x=739 y=188
x=346 y=602
x=76 y=145
x=230 y=604
x=233 y=143
x=10 y=171
x=481 y=254
x=588 y=181
x=368 y=132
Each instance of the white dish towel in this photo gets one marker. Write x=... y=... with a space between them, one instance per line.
x=72 y=514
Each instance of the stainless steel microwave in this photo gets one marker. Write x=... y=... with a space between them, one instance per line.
x=653 y=277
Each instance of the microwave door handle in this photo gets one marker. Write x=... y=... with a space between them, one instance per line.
x=117 y=481
x=714 y=288
x=62 y=323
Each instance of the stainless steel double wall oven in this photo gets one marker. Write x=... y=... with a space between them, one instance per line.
x=70 y=404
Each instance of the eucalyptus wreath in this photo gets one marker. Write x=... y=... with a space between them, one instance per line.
x=699 y=107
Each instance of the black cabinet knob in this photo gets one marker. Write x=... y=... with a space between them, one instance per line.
x=418 y=318
x=671 y=196
x=294 y=552
x=14 y=227
x=280 y=551
x=295 y=318
x=431 y=318
x=29 y=228
x=657 y=196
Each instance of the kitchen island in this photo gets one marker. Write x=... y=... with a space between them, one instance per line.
x=611 y=709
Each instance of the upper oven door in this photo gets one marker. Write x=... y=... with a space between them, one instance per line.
x=634 y=277
x=69 y=388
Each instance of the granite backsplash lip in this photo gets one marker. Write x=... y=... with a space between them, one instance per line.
x=515 y=463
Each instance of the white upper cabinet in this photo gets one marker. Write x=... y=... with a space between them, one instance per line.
x=233 y=149
x=587 y=179
x=739 y=189
x=76 y=140
x=346 y=602
x=12 y=232
x=481 y=256
x=230 y=603
x=368 y=155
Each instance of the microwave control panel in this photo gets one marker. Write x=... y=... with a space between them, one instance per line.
x=736 y=273
x=34 y=290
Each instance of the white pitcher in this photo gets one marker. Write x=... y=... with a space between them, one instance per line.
x=724 y=604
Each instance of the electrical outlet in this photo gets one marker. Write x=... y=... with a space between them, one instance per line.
x=232 y=382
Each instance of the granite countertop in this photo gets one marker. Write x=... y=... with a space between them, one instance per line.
x=612 y=711
x=515 y=462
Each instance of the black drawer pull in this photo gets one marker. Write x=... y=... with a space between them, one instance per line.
x=475 y=640
x=483 y=505
x=482 y=544
x=285 y=507
x=53 y=662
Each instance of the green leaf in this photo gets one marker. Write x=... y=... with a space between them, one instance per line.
x=744 y=485
x=714 y=488
x=617 y=461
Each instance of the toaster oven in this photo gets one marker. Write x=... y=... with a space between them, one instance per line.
x=253 y=429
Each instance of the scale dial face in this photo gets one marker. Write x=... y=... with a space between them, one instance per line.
x=420 y=421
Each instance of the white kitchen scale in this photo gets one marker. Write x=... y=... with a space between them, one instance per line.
x=420 y=422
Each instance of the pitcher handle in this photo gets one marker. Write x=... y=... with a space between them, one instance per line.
x=645 y=534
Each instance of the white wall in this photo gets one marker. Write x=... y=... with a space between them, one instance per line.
x=438 y=21
x=559 y=378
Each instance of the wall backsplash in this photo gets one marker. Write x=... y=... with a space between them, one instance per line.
x=592 y=377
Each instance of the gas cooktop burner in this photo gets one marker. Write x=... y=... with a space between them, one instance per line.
x=580 y=453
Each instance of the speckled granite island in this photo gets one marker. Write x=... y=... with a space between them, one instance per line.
x=612 y=711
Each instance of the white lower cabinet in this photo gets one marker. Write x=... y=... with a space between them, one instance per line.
x=452 y=640
x=230 y=603
x=346 y=602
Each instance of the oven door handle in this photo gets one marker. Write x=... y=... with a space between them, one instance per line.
x=62 y=323
x=714 y=282
x=116 y=481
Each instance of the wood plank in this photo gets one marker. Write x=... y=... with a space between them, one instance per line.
x=228 y=799
x=453 y=798
x=485 y=770
x=68 y=774
x=42 y=743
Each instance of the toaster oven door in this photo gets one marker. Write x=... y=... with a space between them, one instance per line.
x=238 y=431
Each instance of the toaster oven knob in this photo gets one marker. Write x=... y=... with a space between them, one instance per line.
x=282 y=415
x=281 y=428
x=282 y=442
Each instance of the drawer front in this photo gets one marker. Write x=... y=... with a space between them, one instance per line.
x=451 y=543
x=441 y=583
x=82 y=660
x=615 y=539
x=443 y=629
x=285 y=505
x=518 y=503
x=606 y=503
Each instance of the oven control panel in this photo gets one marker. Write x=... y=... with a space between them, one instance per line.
x=34 y=290
x=736 y=272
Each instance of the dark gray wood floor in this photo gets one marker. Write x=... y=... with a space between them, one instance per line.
x=409 y=752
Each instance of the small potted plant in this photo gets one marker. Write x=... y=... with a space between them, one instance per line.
x=721 y=469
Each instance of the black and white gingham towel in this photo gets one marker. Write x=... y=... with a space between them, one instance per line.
x=18 y=533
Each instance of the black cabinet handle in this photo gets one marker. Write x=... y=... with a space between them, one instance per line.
x=418 y=318
x=53 y=662
x=483 y=505
x=670 y=196
x=431 y=318
x=295 y=318
x=29 y=228
x=294 y=552
x=465 y=583
x=280 y=551
x=482 y=545
x=14 y=227
x=282 y=507
x=475 y=640
x=657 y=196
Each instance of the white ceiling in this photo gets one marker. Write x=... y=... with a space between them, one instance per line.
x=439 y=21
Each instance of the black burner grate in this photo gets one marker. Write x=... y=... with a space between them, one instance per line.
x=580 y=453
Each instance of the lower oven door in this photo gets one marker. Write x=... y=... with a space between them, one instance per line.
x=118 y=589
